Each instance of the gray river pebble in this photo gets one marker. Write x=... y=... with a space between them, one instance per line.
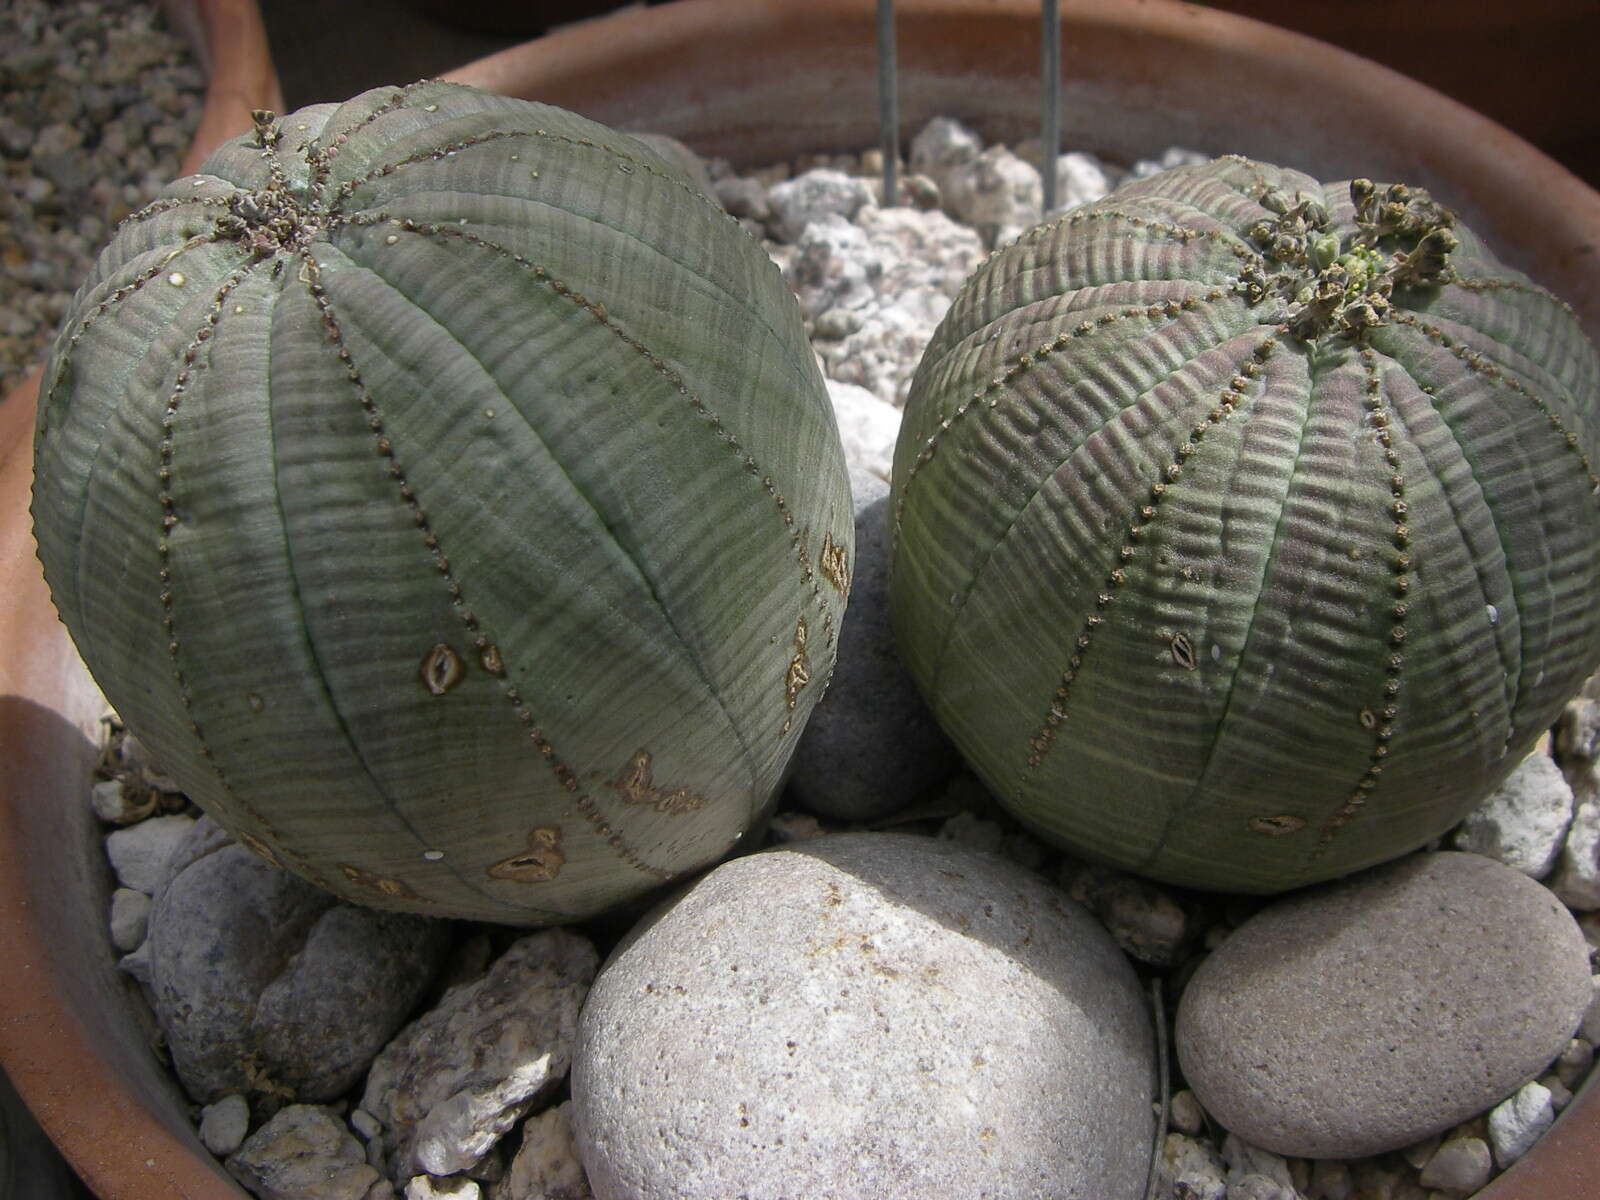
x=871 y=746
x=1366 y=1015
x=866 y=1015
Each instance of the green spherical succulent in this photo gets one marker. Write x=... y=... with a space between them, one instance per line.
x=1246 y=528
x=445 y=491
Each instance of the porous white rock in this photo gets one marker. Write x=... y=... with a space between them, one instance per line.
x=1191 y=1169
x=223 y=1125
x=1472 y=978
x=1577 y=874
x=1080 y=179
x=546 y=1166
x=880 y=287
x=942 y=146
x=1260 y=1187
x=139 y=852
x=833 y=266
x=811 y=197
x=868 y=427
x=868 y=1015
x=306 y=1153
x=117 y=804
x=1523 y=821
x=997 y=193
x=1172 y=156
x=1518 y=1120
x=431 y=1187
x=1245 y=1160
x=459 y=1076
x=130 y=913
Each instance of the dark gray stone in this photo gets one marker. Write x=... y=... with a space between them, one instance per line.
x=266 y=985
x=871 y=746
x=1364 y=1016
x=866 y=1014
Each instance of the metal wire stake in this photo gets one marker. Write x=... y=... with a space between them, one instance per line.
x=1050 y=100
x=888 y=102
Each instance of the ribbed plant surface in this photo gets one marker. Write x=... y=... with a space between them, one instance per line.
x=444 y=490
x=1246 y=528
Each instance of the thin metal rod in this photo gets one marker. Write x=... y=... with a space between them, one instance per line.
x=1050 y=98
x=888 y=102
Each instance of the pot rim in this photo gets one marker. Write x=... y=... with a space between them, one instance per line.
x=51 y=1046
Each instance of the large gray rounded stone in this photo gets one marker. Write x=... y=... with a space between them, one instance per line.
x=265 y=984
x=1370 y=1014
x=866 y=1015
x=871 y=747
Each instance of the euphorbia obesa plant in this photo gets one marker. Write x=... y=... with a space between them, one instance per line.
x=1246 y=528
x=445 y=491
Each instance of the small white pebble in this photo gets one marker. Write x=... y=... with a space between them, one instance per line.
x=432 y=855
x=223 y=1125
x=177 y=279
x=1518 y=1121
x=433 y=1187
x=130 y=916
x=391 y=239
x=1494 y=614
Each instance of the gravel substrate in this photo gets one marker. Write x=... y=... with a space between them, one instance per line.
x=100 y=102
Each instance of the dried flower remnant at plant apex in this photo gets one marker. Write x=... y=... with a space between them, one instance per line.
x=435 y=452
x=1246 y=528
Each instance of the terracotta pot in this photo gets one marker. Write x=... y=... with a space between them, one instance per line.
x=754 y=80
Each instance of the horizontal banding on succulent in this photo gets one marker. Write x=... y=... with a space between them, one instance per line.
x=419 y=451
x=1314 y=431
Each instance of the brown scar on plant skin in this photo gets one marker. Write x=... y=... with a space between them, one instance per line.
x=441 y=669
x=798 y=674
x=260 y=849
x=834 y=564
x=637 y=787
x=540 y=862
x=1183 y=651
x=382 y=884
x=1277 y=826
